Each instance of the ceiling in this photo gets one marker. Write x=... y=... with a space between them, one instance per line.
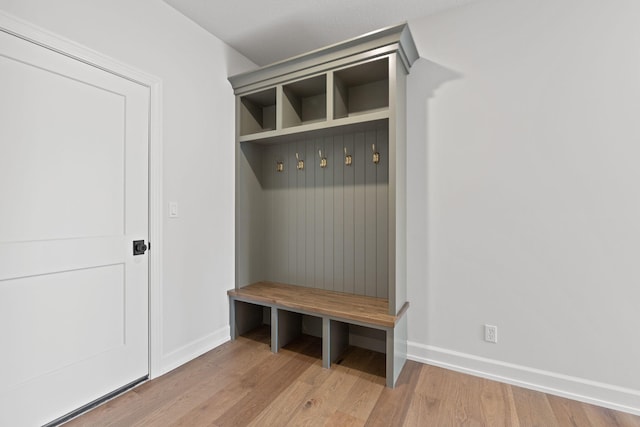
x=267 y=31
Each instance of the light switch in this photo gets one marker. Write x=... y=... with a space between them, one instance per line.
x=173 y=209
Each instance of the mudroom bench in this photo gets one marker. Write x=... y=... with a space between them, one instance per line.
x=288 y=304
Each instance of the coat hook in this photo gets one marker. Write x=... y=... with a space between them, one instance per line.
x=347 y=158
x=376 y=155
x=323 y=160
x=300 y=163
x=279 y=166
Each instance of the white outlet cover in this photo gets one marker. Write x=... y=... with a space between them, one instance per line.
x=491 y=333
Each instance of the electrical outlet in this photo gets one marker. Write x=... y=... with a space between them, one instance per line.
x=491 y=333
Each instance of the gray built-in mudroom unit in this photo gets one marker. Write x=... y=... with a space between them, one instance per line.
x=321 y=197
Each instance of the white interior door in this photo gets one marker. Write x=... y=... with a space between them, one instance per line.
x=73 y=198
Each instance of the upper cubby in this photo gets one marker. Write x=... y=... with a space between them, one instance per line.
x=361 y=89
x=341 y=86
x=258 y=112
x=304 y=101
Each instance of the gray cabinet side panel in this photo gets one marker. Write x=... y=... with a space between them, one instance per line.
x=401 y=189
x=395 y=169
x=399 y=347
x=250 y=228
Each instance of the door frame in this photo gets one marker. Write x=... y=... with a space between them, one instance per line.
x=34 y=34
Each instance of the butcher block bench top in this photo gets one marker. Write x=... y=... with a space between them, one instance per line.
x=347 y=307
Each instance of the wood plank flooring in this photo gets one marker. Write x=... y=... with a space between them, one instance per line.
x=242 y=383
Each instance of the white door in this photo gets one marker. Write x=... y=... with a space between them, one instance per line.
x=73 y=198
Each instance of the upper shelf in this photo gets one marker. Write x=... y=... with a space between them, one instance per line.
x=358 y=93
x=340 y=85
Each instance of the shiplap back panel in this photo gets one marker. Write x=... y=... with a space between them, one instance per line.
x=327 y=228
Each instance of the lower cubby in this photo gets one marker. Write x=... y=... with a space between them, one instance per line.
x=341 y=343
x=247 y=317
x=288 y=326
x=282 y=326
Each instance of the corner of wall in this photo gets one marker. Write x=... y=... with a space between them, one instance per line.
x=192 y=350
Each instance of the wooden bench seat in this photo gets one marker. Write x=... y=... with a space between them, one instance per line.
x=337 y=310
x=338 y=305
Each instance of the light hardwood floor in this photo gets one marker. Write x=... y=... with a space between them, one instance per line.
x=242 y=383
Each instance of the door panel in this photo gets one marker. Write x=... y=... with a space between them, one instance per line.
x=37 y=348
x=91 y=127
x=74 y=195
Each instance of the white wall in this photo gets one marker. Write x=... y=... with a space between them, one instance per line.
x=198 y=118
x=524 y=194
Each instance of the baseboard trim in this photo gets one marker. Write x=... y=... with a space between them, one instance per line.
x=194 y=349
x=593 y=392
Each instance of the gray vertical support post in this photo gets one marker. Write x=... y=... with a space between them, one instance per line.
x=330 y=102
x=400 y=133
x=275 y=338
x=279 y=104
x=382 y=208
x=232 y=319
x=390 y=359
x=394 y=176
x=339 y=339
x=326 y=342
x=289 y=327
x=400 y=347
x=396 y=350
x=238 y=205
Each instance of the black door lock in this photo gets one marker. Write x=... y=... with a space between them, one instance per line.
x=139 y=248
